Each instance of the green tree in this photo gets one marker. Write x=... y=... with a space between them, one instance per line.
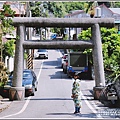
x=6 y=21
x=57 y=9
x=9 y=48
x=6 y=24
x=3 y=74
x=116 y=4
x=38 y=9
x=111 y=49
x=6 y=27
x=70 y=6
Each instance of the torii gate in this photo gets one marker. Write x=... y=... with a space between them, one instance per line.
x=17 y=91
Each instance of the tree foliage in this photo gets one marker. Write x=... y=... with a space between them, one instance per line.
x=3 y=74
x=38 y=9
x=6 y=21
x=73 y=6
x=5 y=15
x=7 y=28
x=111 y=51
x=58 y=9
x=9 y=48
x=110 y=46
x=54 y=9
x=116 y=4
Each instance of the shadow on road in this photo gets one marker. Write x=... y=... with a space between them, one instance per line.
x=90 y=115
x=59 y=75
x=53 y=63
x=50 y=99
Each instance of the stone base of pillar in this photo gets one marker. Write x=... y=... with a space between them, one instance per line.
x=16 y=93
x=96 y=92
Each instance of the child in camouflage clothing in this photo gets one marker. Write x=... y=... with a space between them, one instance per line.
x=76 y=93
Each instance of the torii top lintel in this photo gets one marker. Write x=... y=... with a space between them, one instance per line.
x=63 y=22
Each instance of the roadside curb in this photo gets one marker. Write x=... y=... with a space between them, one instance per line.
x=4 y=104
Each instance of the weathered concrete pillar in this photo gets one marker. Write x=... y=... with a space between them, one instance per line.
x=17 y=92
x=97 y=61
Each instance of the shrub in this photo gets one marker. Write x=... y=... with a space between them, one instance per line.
x=3 y=74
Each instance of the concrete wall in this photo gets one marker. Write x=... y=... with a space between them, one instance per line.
x=9 y=63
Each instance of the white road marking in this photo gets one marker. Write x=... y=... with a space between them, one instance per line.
x=60 y=53
x=28 y=99
x=40 y=69
x=88 y=104
x=85 y=99
x=24 y=107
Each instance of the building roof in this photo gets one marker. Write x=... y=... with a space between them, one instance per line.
x=15 y=6
x=112 y=10
x=115 y=10
x=74 y=12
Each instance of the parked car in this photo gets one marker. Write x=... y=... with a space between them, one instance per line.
x=41 y=53
x=65 y=64
x=64 y=57
x=30 y=83
x=53 y=36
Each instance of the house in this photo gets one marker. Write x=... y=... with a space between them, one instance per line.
x=18 y=7
x=71 y=32
x=19 y=12
x=100 y=11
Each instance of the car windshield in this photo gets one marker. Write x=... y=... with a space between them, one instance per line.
x=26 y=74
x=42 y=50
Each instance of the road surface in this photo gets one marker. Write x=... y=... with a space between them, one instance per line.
x=53 y=98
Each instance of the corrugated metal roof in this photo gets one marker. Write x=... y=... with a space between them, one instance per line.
x=117 y=21
x=115 y=10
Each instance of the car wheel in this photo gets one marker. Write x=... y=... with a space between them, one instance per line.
x=36 y=89
x=63 y=70
x=62 y=66
x=36 y=86
x=27 y=95
x=33 y=93
x=68 y=75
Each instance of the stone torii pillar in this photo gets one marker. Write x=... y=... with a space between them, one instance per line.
x=17 y=92
x=97 y=61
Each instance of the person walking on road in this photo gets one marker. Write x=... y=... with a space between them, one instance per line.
x=76 y=93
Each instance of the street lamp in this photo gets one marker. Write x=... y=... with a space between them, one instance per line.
x=1 y=41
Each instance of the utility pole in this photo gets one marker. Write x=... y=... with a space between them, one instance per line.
x=30 y=53
x=28 y=14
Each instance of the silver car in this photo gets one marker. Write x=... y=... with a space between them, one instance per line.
x=41 y=53
x=64 y=57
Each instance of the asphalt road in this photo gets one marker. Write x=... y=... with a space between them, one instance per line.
x=53 y=98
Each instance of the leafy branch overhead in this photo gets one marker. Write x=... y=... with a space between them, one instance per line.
x=6 y=20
